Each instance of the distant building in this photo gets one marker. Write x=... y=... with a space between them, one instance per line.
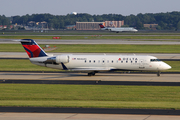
x=71 y=27
x=42 y=24
x=32 y=25
x=88 y=25
x=151 y=26
x=11 y=26
x=95 y=25
x=5 y=26
x=1 y=26
x=114 y=23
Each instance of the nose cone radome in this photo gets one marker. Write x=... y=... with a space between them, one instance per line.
x=169 y=67
x=165 y=66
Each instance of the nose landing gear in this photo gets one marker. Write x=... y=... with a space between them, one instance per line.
x=158 y=73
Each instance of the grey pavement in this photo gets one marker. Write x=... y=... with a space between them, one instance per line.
x=101 y=41
x=83 y=76
x=76 y=116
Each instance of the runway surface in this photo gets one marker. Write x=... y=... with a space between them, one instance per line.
x=77 y=116
x=101 y=41
x=83 y=77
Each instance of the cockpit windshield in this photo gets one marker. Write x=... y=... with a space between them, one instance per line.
x=154 y=60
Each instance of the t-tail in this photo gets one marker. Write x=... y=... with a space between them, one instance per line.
x=32 y=48
x=102 y=26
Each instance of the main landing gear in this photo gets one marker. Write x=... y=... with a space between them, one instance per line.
x=158 y=73
x=91 y=73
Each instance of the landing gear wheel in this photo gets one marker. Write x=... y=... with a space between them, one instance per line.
x=91 y=74
x=158 y=73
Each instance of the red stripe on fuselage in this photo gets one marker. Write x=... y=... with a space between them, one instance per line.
x=34 y=49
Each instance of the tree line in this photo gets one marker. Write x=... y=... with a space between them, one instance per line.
x=165 y=21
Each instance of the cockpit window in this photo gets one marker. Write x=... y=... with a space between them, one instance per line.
x=155 y=60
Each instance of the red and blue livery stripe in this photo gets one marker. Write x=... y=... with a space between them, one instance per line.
x=32 y=48
x=101 y=25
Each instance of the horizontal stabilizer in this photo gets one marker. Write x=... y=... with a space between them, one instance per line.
x=22 y=40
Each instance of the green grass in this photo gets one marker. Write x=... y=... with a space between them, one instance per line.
x=26 y=65
x=100 y=48
x=21 y=65
x=93 y=96
x=175 y=66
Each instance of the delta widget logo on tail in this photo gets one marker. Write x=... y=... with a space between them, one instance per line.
x=32 y=49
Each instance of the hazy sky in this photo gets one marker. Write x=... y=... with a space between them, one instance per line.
x=97 y=7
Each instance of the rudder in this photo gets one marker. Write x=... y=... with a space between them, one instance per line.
x=32 y=48
x=101 y=26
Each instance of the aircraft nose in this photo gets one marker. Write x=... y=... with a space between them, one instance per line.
x=169 y=67
x=166 y=66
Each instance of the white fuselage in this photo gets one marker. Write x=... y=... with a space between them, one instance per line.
x=106 y=63
x=121 y=29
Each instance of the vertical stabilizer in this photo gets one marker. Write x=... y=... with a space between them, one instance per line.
x=32 y=48
x=102 y=26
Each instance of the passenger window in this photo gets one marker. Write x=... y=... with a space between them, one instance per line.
x=121 y=61
x=112 y=61
x=85 y=61
x=94 y=61
x=90 y=61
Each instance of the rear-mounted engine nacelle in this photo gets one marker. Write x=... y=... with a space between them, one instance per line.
x=58 y=59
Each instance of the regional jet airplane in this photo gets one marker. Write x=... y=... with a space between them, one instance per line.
x=92 y=63
x=117 y=30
